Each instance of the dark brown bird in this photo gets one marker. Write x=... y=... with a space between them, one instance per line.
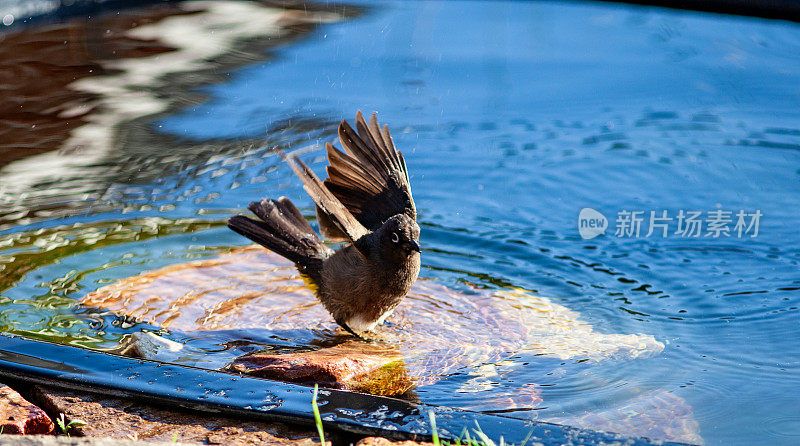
x=365 y=201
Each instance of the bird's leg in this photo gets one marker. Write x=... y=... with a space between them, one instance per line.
x=350 y=330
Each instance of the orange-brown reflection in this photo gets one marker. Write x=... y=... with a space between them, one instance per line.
x=436 y=329
x=79 y=96
x=37 y=65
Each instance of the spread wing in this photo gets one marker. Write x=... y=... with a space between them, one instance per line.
x=337 y=215
x=370 y=178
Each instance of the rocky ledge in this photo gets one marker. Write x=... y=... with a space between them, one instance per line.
x=18 y=416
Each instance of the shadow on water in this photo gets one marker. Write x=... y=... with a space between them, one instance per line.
x=128 y=138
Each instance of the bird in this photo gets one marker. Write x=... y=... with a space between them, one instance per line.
x=366 y=203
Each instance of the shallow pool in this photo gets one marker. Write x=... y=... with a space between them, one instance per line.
x=128 y=139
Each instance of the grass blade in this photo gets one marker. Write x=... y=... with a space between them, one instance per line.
x=433 y=428
x=484 y=438
x=317 y=417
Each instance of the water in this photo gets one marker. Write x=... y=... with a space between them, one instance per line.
x=512 y=116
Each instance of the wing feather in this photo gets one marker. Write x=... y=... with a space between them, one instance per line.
x=358 y=149
x=370 y=176
x=341 y=163
x=336 y=213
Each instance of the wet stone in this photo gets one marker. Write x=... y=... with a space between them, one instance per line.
x=356 y=366
x=110 y=417
x=18 y=416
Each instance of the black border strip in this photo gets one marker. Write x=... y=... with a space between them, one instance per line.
x=767 y=9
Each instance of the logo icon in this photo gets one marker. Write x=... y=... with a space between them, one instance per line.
x=591 y=223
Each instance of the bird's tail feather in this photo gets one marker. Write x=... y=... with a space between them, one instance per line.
x=282 y=229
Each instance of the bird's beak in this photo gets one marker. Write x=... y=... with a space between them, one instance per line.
x=414 y=245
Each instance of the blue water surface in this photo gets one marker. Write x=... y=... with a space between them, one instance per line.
x=515 y=116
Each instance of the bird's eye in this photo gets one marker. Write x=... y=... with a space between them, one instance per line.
x=395 y=237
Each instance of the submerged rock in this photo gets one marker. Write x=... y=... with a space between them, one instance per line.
x=251 y=293
x=351 y=366
x=658 y=415
x=436 y=328
x=18 y=416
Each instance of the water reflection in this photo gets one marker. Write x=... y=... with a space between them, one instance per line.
x=81 y=96
x=40 y=277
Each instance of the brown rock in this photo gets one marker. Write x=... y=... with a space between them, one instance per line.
x=115 y=418
x=354 y=365
x=18 y=416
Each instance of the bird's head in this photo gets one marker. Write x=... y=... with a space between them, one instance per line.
x=399 y=237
